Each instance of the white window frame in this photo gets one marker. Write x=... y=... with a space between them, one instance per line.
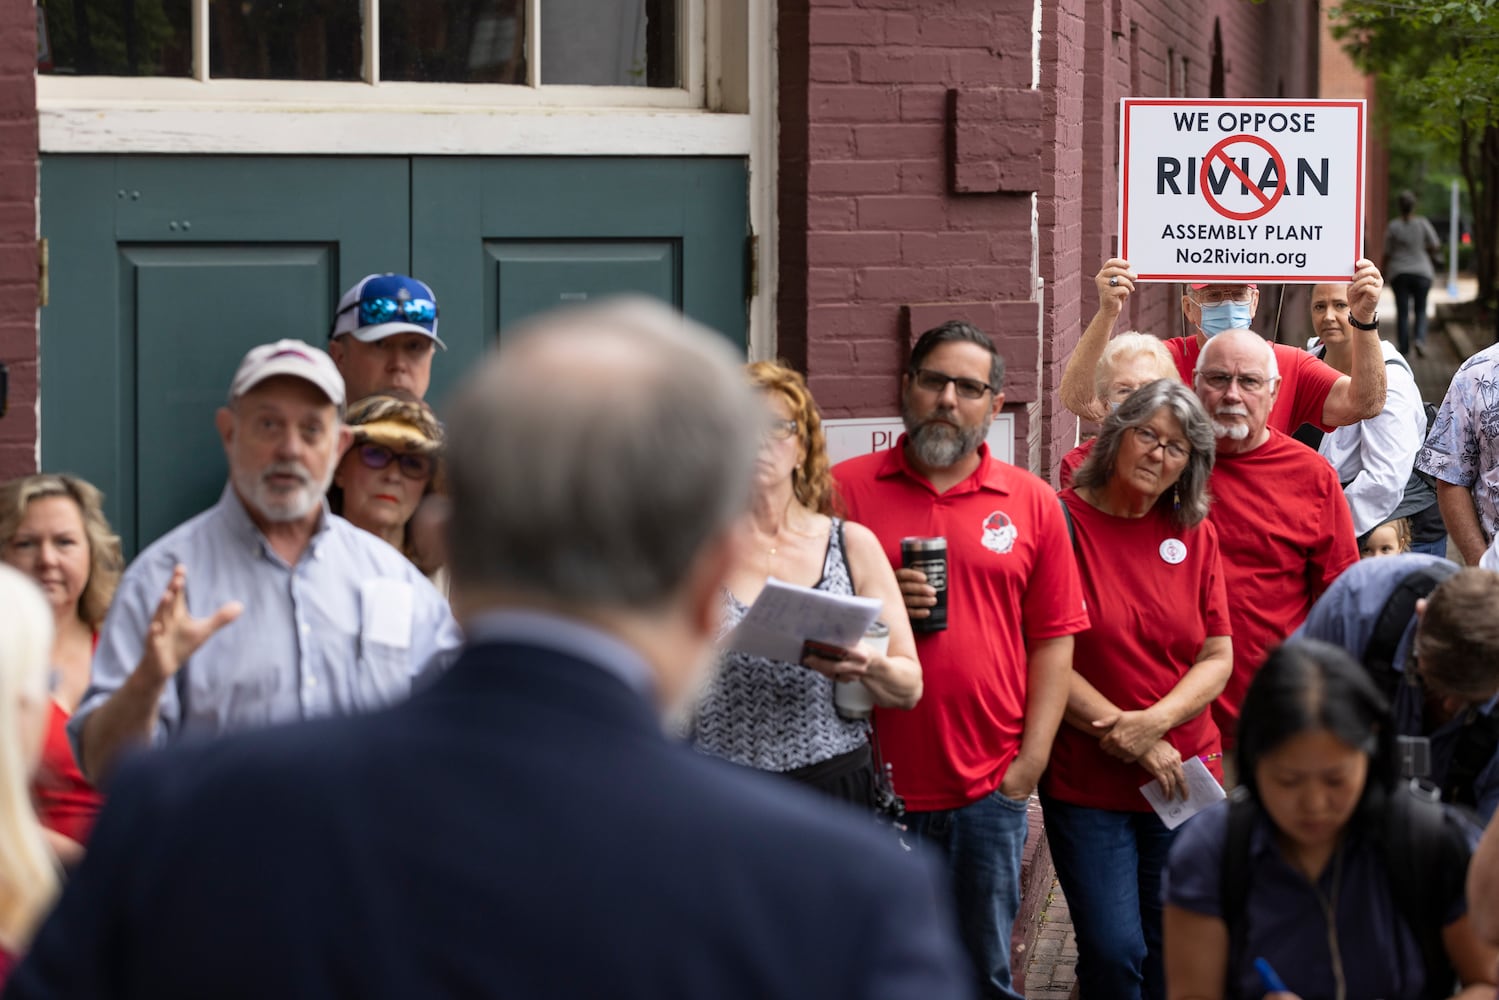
x=726 y=107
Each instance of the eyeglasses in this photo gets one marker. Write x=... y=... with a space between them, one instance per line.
x=780 y=430
x=389 y=310
x=413 y=466
x=1151 y=440
x=936 y=383
x=1220 y=381
x=1241 y=294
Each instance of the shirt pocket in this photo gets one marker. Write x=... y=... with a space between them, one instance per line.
x=383 y=671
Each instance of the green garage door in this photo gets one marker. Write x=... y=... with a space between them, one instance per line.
x=165 y=270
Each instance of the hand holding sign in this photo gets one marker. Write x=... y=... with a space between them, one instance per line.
x=1114 y=281
x=1363 y=293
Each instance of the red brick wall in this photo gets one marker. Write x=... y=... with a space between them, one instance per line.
x=912 y=154
x=18 y=235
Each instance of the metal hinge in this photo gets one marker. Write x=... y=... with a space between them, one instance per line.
x=41 y=272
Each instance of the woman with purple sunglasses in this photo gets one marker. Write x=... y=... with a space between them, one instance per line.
x=392 y=464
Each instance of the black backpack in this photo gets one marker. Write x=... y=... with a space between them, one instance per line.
x=1421 y=846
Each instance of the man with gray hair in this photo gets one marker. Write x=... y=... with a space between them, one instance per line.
x=1283 y=527
x=523 y=827
x=292 y=612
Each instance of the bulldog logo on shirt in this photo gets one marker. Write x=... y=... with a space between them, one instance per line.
x=999 y=533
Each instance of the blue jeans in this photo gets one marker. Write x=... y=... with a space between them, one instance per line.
x=1437 y=547
x=1410 y=297
x=1109 y=864
x=983 y=843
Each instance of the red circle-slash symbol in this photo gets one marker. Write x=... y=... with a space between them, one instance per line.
x=1267 y=202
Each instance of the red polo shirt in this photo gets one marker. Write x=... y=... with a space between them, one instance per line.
x=1305 y=382
x=1012 y=579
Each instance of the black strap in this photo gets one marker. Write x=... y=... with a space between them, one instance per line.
x=1071 y=530
x=1399 y=608
x=1233 y=878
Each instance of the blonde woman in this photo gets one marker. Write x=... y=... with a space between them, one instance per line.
x=779 y=716
x=28 y=876
x=52 y=528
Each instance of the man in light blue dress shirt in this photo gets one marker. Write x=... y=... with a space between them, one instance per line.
x=266 y=607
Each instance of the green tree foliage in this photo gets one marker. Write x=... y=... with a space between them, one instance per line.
x=1436 y=66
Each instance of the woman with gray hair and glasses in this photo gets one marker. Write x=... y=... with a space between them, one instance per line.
x=1157 y=653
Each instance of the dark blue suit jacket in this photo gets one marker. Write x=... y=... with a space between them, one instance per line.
x=521 y=829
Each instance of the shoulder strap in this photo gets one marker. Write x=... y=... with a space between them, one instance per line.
x=1399 y=607
x=1071 y=529
x=1418 y=853
x=1233 y=877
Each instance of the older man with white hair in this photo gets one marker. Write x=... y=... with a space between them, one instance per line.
x=292 y=613
x=1283 y=526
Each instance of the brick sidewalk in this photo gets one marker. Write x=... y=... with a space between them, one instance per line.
x=1051 y=971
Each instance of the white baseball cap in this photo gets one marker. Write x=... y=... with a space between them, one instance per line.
x=289 y=357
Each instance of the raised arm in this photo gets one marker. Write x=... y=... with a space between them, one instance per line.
x=1079 y=387
x=1360 y=394
x=128 y=716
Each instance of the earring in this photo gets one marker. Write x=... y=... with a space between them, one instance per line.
x=1176 y=498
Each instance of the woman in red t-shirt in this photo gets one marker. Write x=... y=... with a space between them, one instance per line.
x=52 y=528
x=1156 y=654
x=28 y=870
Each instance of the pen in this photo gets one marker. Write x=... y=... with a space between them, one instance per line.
x=1268 y=978
x=1206 y=757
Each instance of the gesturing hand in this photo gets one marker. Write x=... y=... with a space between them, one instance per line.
x=174 y=635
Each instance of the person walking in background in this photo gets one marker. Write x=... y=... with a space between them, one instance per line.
x=780 y=716
x=1156 y=654
x=523 y=827
x=1409 y=242
x=1461 y=455
x=28 y=872
x=968 y=756
x=52 y=528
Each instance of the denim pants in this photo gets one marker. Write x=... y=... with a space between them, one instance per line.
x=983 y=843
x=1109 y=865
x=1410 y=298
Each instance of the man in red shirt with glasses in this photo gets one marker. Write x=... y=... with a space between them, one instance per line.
x=384 y=335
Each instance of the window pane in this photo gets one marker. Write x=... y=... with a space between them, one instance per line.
x=115 y=37
x=285 y=39
x=614 y=43
x=453 y=41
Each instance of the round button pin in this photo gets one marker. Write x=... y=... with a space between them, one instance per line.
x=1173 y=550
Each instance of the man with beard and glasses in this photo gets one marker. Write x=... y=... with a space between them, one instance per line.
x=969 y=755
x=290 y=612
x=1284 y=529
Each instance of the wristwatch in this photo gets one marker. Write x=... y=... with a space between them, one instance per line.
x=1373 y=324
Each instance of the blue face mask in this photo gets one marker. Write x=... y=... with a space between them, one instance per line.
x=1221 y=316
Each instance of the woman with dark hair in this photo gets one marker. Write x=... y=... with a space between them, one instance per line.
x=780 y=716
x=1157 y=652
x=1301 y=870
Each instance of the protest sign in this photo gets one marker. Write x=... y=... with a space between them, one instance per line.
x=1230 y=190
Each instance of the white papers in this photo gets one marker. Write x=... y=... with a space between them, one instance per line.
x=785 y=615
x=1202 y=791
